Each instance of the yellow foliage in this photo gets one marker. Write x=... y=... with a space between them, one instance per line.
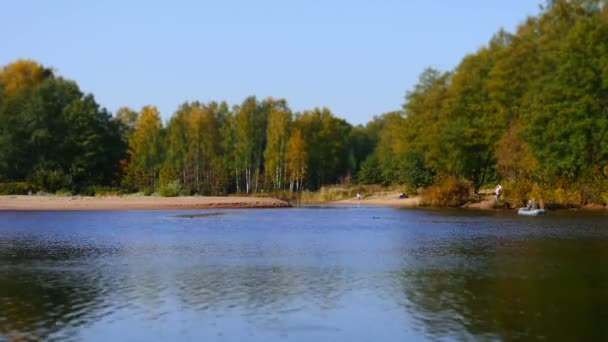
x=517 y=193
x=447 y=192
x=297 y=157
x=513 y=155
x=22 y=73
x=559 y=195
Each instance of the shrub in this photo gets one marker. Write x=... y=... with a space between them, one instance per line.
x=560 y=198
x=593 y=189
x=559 y=193
x=446 y=192
x=87 y=191
x=63 y=193
x=15 y=188
x=170 y=189
x=50 y=181
x=108 y=191
x=101 y=191
x=517 y=193
x=369 y=173
x=413 y=172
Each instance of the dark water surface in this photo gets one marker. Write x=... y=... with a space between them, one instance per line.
x=306 y=274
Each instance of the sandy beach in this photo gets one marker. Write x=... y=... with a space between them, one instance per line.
x=135 y=203
x=384 y=199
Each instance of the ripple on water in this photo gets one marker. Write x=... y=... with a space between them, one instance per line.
x=305 y=274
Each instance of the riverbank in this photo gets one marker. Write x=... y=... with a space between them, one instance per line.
x=386 y=199
x=33 y=203
x=391 y=199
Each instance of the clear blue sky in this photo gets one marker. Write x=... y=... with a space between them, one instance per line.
x=356 y=57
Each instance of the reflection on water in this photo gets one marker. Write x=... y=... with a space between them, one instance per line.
x=303 y=274
x=533 y=288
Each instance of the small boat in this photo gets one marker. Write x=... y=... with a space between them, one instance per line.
x=531 y=212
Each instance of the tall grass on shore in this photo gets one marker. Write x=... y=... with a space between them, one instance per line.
x=329 y=193
x=342 y=192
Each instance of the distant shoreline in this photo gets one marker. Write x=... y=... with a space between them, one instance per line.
x=76 y=203
x=52 y=203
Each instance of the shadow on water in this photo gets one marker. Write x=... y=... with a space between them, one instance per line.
x=525 y=289
x=48 y=300
x=199 y=215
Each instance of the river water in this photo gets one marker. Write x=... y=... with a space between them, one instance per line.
x=303 y=274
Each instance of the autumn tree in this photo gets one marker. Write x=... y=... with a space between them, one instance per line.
x=192 y=146
x=22 y=74
x=297 y=160
x=147 y=150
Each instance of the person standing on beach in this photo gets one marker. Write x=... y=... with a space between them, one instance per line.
x=498 y=191
x=358 y=196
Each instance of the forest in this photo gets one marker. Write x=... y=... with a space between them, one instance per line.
x=53 y=137
x=528 y=110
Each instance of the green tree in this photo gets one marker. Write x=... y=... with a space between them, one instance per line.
x=568 y=129
x=127 y=119
x=250 y=121
x=328 y=143
x=277 y=133
x=369 y=172
x=49 y=125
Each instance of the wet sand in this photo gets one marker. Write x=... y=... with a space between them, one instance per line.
x=135 y=203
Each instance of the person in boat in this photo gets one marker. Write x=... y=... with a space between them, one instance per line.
x=498 y=191
x=532 y=205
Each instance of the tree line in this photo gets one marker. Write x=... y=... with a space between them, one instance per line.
x=256 y=146
x=53 y=135
x=529 y=109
